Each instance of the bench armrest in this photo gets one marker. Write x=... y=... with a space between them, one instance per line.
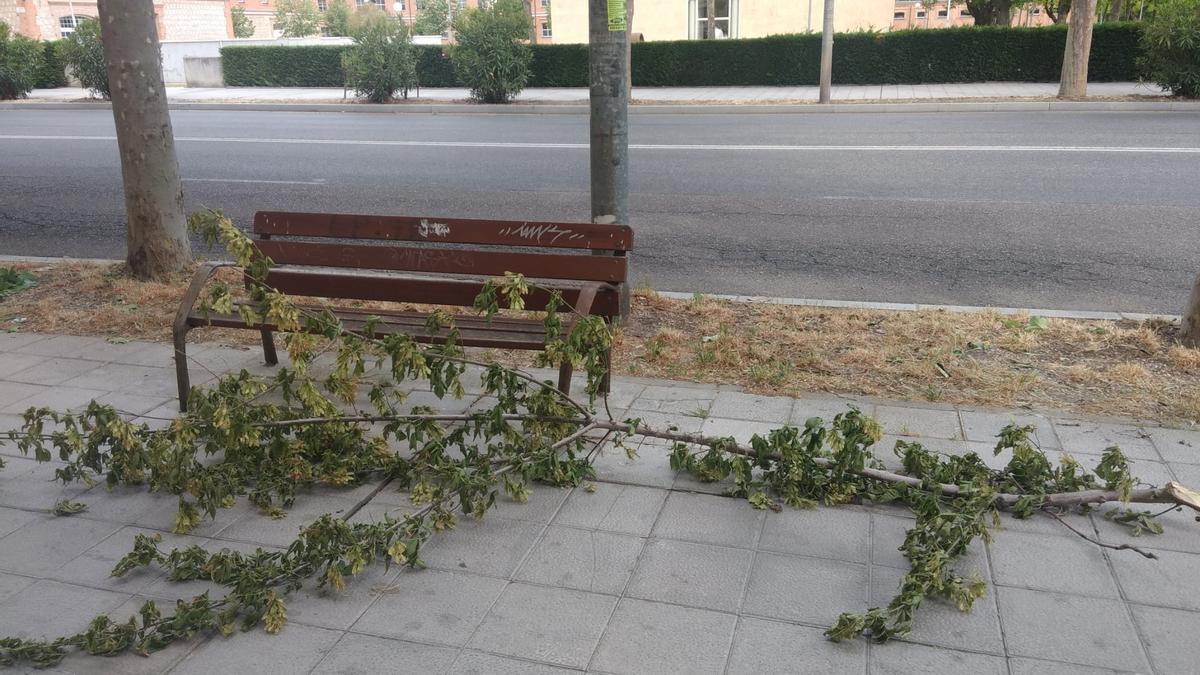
x=203 y=274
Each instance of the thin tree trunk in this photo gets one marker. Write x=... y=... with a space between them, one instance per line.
x=157 y=242
x=710 y=26
x=1191 y=317
x=1073 y=83
x=1114 y=12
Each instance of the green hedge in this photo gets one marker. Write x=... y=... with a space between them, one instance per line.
x=967 y=54
x=53 y=71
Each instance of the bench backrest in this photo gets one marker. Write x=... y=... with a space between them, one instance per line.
x=442 y=252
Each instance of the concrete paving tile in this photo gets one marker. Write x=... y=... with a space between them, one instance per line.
x=12 y=393
x=70 y=346
x=761 y=646
x=1179 y=531
x=696 y=575
x=164 y=518
x=12 y=520
x=940 y=623
x=492 y=546
x=708 y=520
x=842 y=532
x=1023 y=666
x=1169 y=581
x=125 y=503
x=138 y=353
x=259 y=528
x=921 y=422
x=660 y=421
x=11 y=364
x=1092 y=438
x=737 y=405
x=59 y=399
x=367 y=654
x=1188 y=474
x=1058 y=627
x=741 y=430
x=650 y=466
x=27 y=484
x=48 y=543
x=630 y=509
x=1169 y=636
x=674 y=401
x=94 y=566
x=651 y=637
x=295 y=649
x=10 y=342
x=826 y=409
x=54 y=371
x=554 y=625
x=1177 y=445
x=902 y=658
x=134 y=404
x=327 y=608
x=985 y=426
x=585 y=560
x=431 y=606
x=50 y=609
x=11 y=584
x=544 y=501
x=1051 y=563
x=809 y=590
x=478 y=663
x=622 y=394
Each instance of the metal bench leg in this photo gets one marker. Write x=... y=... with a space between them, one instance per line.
x=564 y=377
x=181 y=368
x=268 y=340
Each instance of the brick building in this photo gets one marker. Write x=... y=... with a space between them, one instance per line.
x=176 y=19
x=917 y=14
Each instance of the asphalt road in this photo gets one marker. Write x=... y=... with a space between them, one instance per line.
x=1089 y=210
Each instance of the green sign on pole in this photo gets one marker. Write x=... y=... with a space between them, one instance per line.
x=616 y=16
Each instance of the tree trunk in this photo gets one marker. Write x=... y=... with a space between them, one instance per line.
x=1073 y=83
x=534 y=28
x=1114 y=12
x=1191 y=318
x=710 y=26
x=157 y=242
x=1064 y=10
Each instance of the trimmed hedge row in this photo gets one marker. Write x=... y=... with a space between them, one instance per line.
x=967 y=54
x=53 y=72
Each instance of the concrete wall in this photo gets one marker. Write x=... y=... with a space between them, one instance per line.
x=175 y=52
x=204 y=71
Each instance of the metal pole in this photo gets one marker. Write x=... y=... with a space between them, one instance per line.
x=608 y=52
x=827 y=52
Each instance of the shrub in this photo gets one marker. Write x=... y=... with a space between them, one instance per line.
x=297 y=18
x=491 y=57
x=84 y=53
x=432 y=17
x=382 y=60
x=337 y=20
x=53 y=71
x=20 y=59
x=1171 y=46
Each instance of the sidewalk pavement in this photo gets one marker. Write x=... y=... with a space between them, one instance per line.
x=885 y=92
x=651 y=573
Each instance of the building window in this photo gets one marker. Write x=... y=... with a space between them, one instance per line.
x=546 y=30
x=545 y=3
x=899 y=16
x=364 y=3
x=942 y=14
x=68 y=24
x=724 y=19
x=322 y=5
x=1036 y=11
x=921 y=14
x=964 y=13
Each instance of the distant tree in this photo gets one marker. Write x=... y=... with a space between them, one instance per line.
x=242 y=26
x=990 y=12
x=491 y=54
x=433 y=16
x=20 y=59
x=337 y=19
x=297 y=18
x=84 y=53
x=382 y=60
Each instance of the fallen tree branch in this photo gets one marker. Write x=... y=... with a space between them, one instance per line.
x=1096 y=541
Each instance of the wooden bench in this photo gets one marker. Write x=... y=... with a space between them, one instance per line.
x=435 y=261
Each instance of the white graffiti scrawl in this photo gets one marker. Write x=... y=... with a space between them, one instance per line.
x=426 y=228
x=537 y=232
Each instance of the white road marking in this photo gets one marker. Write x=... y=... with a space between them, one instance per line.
x=319 y=181
x=651 y=146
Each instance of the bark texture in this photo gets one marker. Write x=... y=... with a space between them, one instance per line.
x=1073 y=82
x=156 y=240
x=1191 y=317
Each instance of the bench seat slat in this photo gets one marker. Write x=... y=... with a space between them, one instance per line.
x=447 y=230
x=457 y=292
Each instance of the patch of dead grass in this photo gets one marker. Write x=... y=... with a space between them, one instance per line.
x=1129 y=368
